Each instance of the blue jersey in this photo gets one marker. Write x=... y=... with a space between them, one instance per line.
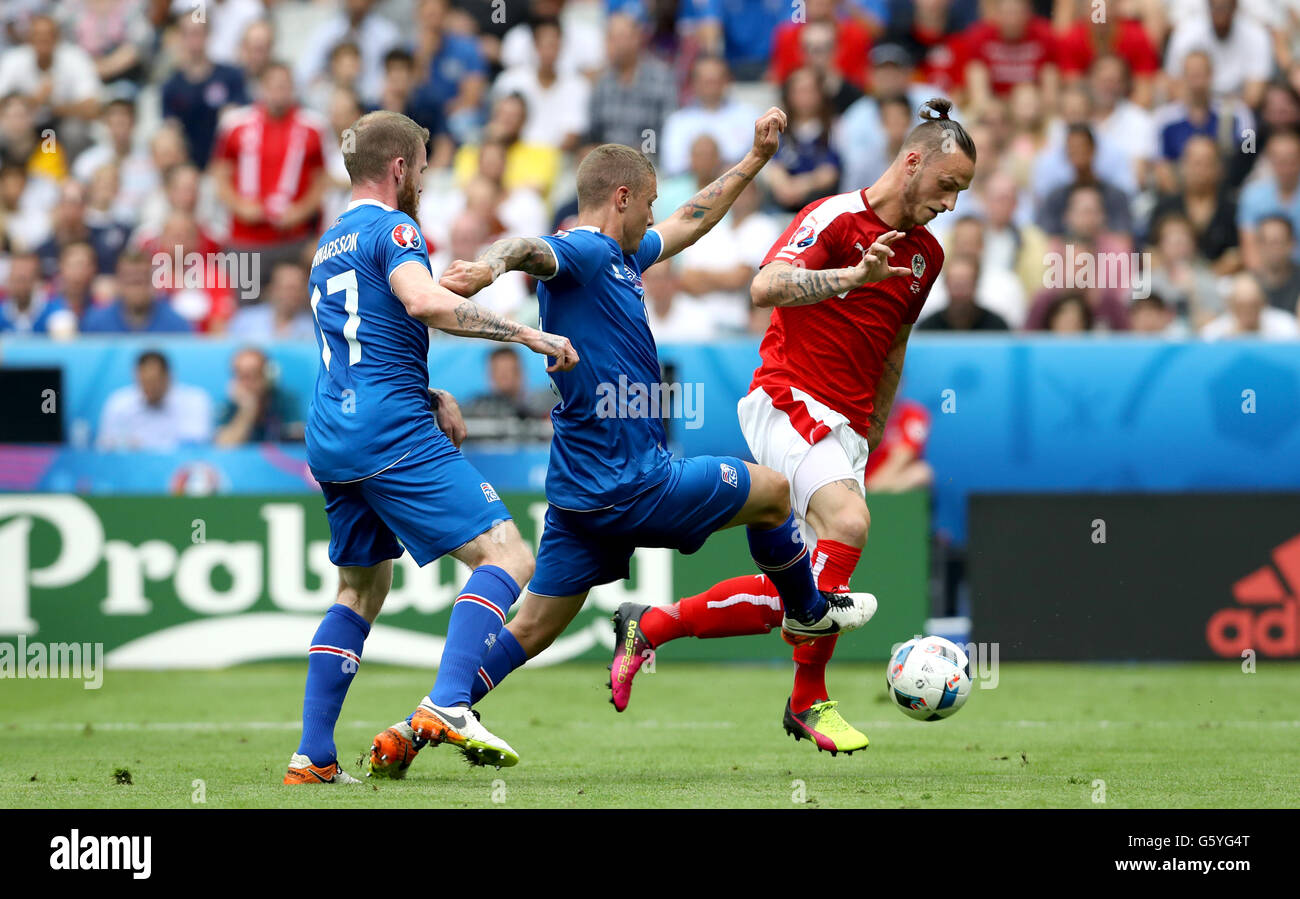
x=609 y=442
x=371 y=405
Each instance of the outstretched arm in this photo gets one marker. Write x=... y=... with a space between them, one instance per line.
x=696 y=216
x=887 y=386
x=783 y=284
x=439 y=308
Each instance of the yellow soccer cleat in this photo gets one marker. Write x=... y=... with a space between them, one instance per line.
x=826 y=727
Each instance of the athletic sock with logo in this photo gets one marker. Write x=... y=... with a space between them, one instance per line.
x=781 y=554
x=476 y=618
x=332 y=662
x=505 y=656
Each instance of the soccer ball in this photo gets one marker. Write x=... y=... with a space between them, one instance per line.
x=928 y=677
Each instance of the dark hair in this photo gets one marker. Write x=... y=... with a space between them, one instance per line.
x=1080 y=187
x=825 y=112
x=1152 y=299
x=1278 y=218
x=398 y=54
x=1059 y=303
x=895 y=100
x=938 y=129
x=545 y=22
x=1079 y=128
x=500 y=352
x=152 y=356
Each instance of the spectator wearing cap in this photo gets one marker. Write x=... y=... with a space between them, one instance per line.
x=1239 y=47
x=358 y=24
x=1249 y=315
x=636 y=93
x=1202 y=197
x=269 y=170
x=138 y=307
x=154 y=414
x=852 y=43
x=962 y=312
x=1277 y=272
x=199 y=90
x=729 y=122
x=256 y=410
x=560 y=100
x=1276 y=192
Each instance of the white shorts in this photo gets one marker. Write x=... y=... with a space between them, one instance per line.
x=786 y=430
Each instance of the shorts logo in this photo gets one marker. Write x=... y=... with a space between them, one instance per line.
x=488 y=493
x=918 y=265
x=804 y=237
x=729 y=475
x=406 y=236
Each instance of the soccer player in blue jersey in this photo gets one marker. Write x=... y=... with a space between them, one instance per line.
x=612 y=485
x=376 y=444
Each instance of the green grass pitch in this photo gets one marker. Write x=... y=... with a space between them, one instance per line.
x=1049 y=735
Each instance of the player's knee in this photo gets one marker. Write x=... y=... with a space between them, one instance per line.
x=850 y=525
x=772 y=490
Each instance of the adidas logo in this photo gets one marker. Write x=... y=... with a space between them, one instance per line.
x=1268 y=617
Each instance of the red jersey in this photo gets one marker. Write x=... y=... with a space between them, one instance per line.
x=1009 y=62
x=908 y=428
x=852 y=50
x=1078 y=48
x=835 y=350
x=273 y=161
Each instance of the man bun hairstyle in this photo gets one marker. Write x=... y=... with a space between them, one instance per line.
x=939 y=132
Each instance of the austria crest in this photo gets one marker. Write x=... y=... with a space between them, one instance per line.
x=918 y=265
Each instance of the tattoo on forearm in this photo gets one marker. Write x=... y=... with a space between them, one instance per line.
x=792 y=286
x=523 y=254
x=705 y=203
x=473 y=320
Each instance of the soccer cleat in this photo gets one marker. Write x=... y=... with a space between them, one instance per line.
x=631 y=650
x=461 y=728
x=392 y=751
x=844 y=612
x=302 y=771
x=824 y=725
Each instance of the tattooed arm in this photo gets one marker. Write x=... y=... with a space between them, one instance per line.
x=439 y=308
x=887 y=386
x=783 y=284
x=530 y=255
x=701 y=212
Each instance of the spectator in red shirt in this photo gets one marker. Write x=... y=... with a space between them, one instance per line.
x=269 y=170
x=1013 y=46
x=1082 y=42
x=897 y=464
x=852 y=44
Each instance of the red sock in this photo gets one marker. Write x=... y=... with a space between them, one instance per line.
x=833 y=563
x=735 y=607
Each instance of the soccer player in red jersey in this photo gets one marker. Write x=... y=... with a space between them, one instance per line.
x=846 y=282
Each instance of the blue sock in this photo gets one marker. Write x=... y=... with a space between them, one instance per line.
x=476 y=618
x=505 y=656
x=332 y=662
x=782 y=556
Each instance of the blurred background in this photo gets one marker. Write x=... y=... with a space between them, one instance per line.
x=1094 y=452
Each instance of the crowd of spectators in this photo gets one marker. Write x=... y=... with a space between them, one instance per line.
x=1139 y=160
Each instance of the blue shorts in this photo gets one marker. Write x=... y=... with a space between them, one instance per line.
x=580 y=550
x=432 y=500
